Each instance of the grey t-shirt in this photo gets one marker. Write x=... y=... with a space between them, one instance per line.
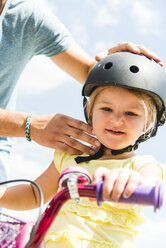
x=27 y=28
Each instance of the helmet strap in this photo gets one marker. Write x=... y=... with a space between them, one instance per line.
x=162 y=119
x=100 y=153
x=97 y=155
x=150 y=133
x=84 y=107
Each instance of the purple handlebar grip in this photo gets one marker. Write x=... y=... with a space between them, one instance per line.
x=144 y=195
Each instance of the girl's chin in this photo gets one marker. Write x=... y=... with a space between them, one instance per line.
x=115 y=147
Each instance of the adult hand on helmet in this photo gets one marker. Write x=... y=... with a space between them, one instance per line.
x=62 y=132
x=131 y=47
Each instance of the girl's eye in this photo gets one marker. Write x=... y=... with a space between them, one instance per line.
x=107 y=109
x=131 y=113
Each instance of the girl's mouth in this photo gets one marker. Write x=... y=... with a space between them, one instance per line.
x=115 y=132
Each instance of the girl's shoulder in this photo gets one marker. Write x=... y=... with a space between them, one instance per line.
x=63 y=160
x=140 y=161
x=143 y=158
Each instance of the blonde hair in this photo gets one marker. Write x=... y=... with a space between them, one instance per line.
x=146 y=100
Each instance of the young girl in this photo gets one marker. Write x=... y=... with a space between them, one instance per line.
x=125 y=106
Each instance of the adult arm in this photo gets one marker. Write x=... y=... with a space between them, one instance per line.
x=78 y=64
x=53 y=130
x=59 y=131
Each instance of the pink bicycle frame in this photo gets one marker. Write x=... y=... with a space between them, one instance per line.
x=75 y=183
x=145 y=195
x=53 y=209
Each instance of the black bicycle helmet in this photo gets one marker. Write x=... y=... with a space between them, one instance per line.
x=134 y=71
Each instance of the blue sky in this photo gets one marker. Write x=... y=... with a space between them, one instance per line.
x=95 y=25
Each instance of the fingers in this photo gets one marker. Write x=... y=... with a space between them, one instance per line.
x=100 y=172
x=108 y=187
x=71 y=145
x=117 y=182
x=73 y=130
x=124 y=46
x=72 y=136
x=150 y=54
x=101 y=55
x=66 y=148
x=64 y=133
x=131 y=47
x=110 y=176
x=121 y=47
x=134 y=180
x=120 y=184
x=71 y=122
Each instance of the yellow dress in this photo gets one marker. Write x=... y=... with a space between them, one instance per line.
x=84 y=224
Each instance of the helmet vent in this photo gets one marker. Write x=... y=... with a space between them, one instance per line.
x=134 y=69
x=108 y=65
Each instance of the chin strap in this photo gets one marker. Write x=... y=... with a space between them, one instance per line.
x=97 y=155
x=100 y=153
x=130 y=148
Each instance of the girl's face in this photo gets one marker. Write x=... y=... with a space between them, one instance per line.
x=118 y=118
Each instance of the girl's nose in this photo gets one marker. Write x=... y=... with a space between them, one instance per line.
x=117 y=119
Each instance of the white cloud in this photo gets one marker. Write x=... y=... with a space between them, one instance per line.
x=147 y=17
x=91 y=2
x=101 y=46
x=41 y=75
x=105 y=17
x=152 y=234
x=79 y=30
x=21 y=167
x=144 y=15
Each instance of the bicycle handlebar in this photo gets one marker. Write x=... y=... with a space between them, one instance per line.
x=144 y=195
